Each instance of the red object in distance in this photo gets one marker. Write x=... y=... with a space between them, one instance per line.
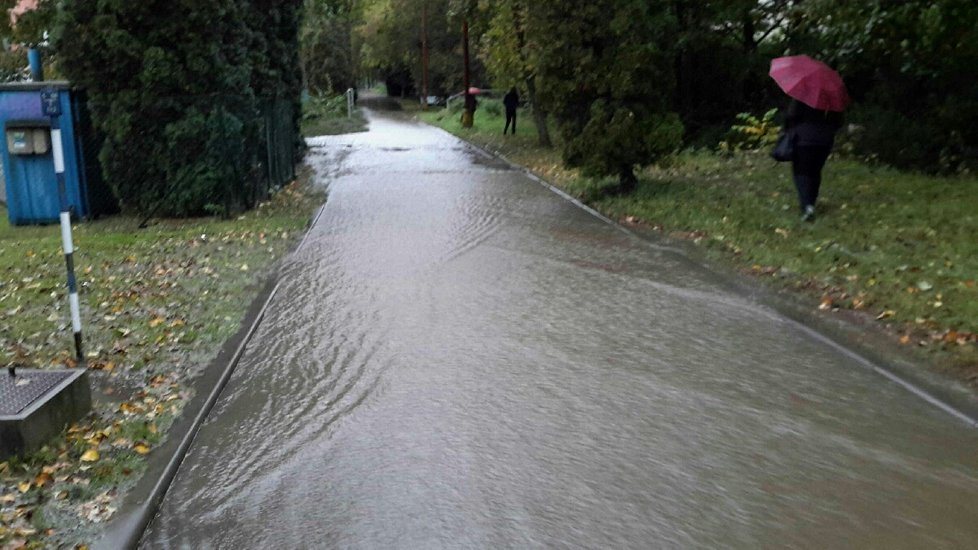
x=812 y=82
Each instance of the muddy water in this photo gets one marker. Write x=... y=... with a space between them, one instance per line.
x=459 y=358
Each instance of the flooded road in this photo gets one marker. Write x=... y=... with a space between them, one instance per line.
x=460 y=358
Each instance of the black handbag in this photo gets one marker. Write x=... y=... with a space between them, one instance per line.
x=784 y=149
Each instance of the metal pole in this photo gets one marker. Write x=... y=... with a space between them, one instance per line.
x=424 y=56
x=349 y=103
x=66 y=241
x=467 y=117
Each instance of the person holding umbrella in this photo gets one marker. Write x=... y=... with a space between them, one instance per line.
x=815 y=115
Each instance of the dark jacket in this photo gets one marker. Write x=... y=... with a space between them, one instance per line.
x=511 y=100
x=811 y=127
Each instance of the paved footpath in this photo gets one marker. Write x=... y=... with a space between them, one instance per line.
x=460 y=358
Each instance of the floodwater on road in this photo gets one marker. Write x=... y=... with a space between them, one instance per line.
x=460 y=358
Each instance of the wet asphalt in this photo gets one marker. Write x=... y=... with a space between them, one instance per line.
x=460 y=358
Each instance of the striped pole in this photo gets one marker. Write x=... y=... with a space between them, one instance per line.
x=66 y=242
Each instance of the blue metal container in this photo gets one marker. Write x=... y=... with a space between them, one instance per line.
x=28 y=162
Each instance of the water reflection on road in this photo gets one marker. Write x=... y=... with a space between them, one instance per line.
x=460 y=358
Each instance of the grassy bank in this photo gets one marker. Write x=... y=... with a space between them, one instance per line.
x=157 y=304
x=896 y=249
x=327 y=116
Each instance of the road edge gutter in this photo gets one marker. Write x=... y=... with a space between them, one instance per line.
x=127 y=530
x=944 y=394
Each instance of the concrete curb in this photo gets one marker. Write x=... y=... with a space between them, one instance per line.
x=143 y=501
x=867 y=350
x=126 y=532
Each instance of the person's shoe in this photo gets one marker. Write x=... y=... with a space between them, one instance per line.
x=809 y=214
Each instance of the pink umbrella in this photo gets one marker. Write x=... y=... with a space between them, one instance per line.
x=812 y=82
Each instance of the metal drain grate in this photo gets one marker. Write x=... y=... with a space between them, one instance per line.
x=18 y=392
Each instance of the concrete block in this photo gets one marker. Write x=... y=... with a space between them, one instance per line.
x=36 y=405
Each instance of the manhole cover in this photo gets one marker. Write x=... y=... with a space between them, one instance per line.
x=18 y=392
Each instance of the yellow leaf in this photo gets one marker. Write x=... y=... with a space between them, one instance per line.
x=90 y=455
x=156 y=322
x=8 y=499
x=141 y=448
x=24 y=486
x=42 y=479
x=152 y=428
x=177 y=323
x=905 y=339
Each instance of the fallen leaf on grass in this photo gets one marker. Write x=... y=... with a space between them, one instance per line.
x=156 y=322
x=24 y=486
x=90 y=455
x=886 y=314
x=8 y=499
x=141 y=448
x=42 y=479
x=905 y=339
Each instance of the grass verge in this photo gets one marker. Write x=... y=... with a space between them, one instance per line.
x=327 y=116
x=895 y=249
x=157 y=304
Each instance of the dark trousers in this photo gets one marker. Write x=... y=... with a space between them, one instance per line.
x=806 y=166
x=510 y=117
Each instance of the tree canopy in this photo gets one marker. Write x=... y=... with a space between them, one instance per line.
x=180 y=108
x=909 y=65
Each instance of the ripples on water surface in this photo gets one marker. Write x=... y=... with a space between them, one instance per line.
x=459 y=358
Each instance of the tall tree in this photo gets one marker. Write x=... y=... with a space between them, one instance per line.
x=329 y=49
x=508 y=50
x=605 y=69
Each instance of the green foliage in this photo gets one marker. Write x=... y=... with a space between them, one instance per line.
x=30 y=26
x=324 y=106
x=606 y=77
x=13 y=65
x=910 y=67
x=327 y=115
x=390 y=32
x=179 y=107
x=751 y=133
x=329 y=48
x=492 y=107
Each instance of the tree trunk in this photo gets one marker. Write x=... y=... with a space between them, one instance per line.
x=627 y=180
x=539 y=116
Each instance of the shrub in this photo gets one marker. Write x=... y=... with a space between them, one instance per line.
x=751 y=133
x=179 y=107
